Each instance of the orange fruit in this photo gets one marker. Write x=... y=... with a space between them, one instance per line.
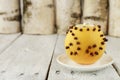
x=85 y=44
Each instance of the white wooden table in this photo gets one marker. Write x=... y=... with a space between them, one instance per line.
x=33 y=57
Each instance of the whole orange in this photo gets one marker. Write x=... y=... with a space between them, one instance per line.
x=85 y=44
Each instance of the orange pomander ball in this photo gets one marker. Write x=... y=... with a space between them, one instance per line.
x=85 y=44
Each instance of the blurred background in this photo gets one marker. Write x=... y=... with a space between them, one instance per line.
x=55 y=16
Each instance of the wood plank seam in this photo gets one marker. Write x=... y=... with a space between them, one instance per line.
x=51 y=59
x=107 y=25
x=26 y=61
x=10 y=44
x=82 y=7
x=116 y=69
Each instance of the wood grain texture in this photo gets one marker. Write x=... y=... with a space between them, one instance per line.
x=113 y=48
x=6 y=40
x=28 y=58
x=96 y=12
x=114 y=18
x=67 y=13
x=38 y=17
x=58 y=72
x=9 y=16
x=21 y=11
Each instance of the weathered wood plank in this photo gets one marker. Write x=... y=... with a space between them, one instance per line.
x=58 y=72
x=95 y=12
x=67 y=13
x=113 y=49
x=6 y=40
x=114 y=18
x=9 y=16
x=38 y=17
x=28 y=58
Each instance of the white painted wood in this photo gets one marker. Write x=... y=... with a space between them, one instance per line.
x=9 y=16
x=58 y=72
x=38 y=17
x=67 y=13
x=95 y=12
x=113 y=48
x=6 y=40
x=114 y=18
x=27 y=58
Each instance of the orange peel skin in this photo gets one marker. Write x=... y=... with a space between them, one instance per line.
x=85 y=44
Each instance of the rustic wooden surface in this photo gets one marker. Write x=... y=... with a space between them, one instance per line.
x=38 y=17
x=113 y=48
x=114 y=18
x=96 y=12
x=67 y=15
x=9 y=16
x=33 y=57
x=6 y=40
x=28 y=58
